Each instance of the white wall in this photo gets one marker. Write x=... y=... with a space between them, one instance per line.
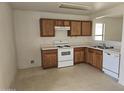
x=121 y=77
x=28 y=38
x=7 y=48
x=113 y=28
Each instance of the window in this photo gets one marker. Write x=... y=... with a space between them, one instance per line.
x=99 y=31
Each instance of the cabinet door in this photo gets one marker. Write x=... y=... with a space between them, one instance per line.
x=49 y=58
x=86 y=55
x=94 y=62
x=47 y=28
x=75 y=28
x=86 y=28
x=98 y=58
x=66 y=23
x=59 y=23
x=90 y=56
x=79 y=55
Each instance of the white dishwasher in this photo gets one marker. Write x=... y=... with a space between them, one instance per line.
x=111 y=63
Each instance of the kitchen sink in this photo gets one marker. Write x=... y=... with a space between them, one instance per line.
x=103 y=47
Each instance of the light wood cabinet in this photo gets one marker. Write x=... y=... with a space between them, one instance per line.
x=49 y=58
x=86 y=28
x=86 y=54
x=66 y=23
x=75 y=28
x=79 y=55
x=81 y=28
x=47 y=28
x=94 y=57
x=59 y=23
x=90 y=56
x=62 y=23
x=97 y=59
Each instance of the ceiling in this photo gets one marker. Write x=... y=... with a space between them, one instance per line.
x=54 y=7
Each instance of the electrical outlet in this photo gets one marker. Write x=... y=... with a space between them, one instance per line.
x=32 y=61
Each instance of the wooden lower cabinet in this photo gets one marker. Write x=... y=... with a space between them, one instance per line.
x=49 y=58
x=94 y=57
x=97 y=59
x=91 y=56
x=79 y=55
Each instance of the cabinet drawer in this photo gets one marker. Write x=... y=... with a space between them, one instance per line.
x=49 y=51
x=98 y=52
x=79 y=48
x=90 y=50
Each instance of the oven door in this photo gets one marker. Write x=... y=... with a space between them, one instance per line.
x=65 y=54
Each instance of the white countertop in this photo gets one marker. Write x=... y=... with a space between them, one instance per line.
x=49 y=47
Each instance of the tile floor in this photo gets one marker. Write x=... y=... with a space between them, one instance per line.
x=79 y=77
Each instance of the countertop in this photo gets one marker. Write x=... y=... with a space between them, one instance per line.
x=49 y=47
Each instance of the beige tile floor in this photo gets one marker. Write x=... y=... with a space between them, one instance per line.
x=78 y=77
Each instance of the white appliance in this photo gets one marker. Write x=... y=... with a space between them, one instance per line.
x=111 y=63
x=61 y=28
x=65 y=54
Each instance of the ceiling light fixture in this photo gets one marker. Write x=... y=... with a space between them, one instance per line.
x=74 y=6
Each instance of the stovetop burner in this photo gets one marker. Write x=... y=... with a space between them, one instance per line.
x=63 y=46
x=66 y=46
x=60 y=46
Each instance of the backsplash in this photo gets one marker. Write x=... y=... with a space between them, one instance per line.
x=62 y=35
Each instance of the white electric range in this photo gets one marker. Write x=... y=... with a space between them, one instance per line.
x=65 y=54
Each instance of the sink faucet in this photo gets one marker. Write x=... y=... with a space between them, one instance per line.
x=104 y=44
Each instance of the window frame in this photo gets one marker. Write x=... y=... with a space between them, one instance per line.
x=103 y=32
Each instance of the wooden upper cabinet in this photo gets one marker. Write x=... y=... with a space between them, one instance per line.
x=79 y=55
x=66 y=23
x=47 y=28
x=59 y=22
x=75 y=28
x=62 y=23
x=86 y=28
x=49 y=58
